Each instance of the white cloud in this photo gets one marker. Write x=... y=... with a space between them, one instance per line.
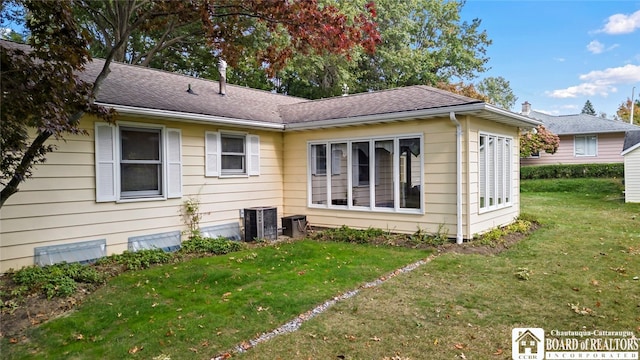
x=622 y=24
x=559 y=59
x=595 y=47
x=4 y=32
x=600 y=82
x=619 y=75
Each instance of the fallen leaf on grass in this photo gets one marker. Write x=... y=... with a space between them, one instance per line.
x=459 y=346
x=581 y=310
x=350 y=337
x=135 y=349
x=79 y=336
x=13 y=341
x=375 y=338
x=498 y=352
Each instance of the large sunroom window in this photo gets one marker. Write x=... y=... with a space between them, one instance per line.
x=495 y=159
x=383 y=174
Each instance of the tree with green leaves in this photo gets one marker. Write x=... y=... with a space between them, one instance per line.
x=424 y=42
x=498 y=91
x=43 y=98
x=588 y=109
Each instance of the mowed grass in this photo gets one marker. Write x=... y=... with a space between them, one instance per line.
x=200 y=308
x=580 y=266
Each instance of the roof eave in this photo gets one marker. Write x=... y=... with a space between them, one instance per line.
x=192 y=117
x=625 y=152
x=482 y=110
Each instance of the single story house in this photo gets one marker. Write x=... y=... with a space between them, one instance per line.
x=631 y=155
x=584 y=139
x=402 y=159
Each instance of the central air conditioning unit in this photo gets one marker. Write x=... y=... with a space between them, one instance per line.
x=260 y=223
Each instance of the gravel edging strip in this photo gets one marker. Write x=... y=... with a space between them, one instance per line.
x=295 y=324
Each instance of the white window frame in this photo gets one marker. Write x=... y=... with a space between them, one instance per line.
x=586 y=139
x=311 y=172
x=108 y=160
x=495 y=171
x=214 y=153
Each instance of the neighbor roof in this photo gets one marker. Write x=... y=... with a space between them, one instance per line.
x=631 y=141
x=142 y=91
x=581 y=124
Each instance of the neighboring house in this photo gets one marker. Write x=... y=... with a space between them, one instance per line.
x=402 y=160
x=584 y=139
x=631 y=155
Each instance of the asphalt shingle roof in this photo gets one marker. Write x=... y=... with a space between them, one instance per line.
x=581 y=124
x=145 y=88
x=631 y=138
x=395 y=100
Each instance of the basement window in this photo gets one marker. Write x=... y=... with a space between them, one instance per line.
x=83 y=252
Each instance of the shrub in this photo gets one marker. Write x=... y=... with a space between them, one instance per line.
x=205 y=245
x=422 y=237
x=572 y=171
x=56 y=280
x=349 y=235
x=137 y=260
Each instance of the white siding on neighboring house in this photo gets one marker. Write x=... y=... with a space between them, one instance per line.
x=632 y=176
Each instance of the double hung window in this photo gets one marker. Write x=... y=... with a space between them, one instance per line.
x=137 y=161
x=586 y=145
x=232 y=154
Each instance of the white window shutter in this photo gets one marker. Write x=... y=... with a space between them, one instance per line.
x=253 y=147
x=212 y=153
x=106 y=162
x=174 y=163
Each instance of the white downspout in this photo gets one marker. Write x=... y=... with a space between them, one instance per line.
x=459 y=238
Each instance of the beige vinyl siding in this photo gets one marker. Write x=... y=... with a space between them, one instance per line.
x=439 y=177
x=632 y=176
x=57 y=205
x=608 y=151
x=481 y=222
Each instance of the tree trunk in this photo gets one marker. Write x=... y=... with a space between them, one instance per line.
x=25 y=165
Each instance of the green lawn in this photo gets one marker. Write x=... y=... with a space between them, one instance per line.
x=200 y=308
x=586 y=254
x=580 y=267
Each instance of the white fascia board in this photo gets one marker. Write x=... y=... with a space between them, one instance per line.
x=517 y=120
x=192 y=118
x=636 y=146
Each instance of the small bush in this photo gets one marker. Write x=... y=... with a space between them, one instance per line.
x=572 y=171
x=137 y=260
x=56 y=280
x=422 y=237
x=349 y=235
x=205 y=245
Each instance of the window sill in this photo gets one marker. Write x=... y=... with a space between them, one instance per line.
x=494 y=208
x=140 y=199
x=406 y=211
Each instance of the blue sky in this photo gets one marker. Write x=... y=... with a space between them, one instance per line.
x=558 y=54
